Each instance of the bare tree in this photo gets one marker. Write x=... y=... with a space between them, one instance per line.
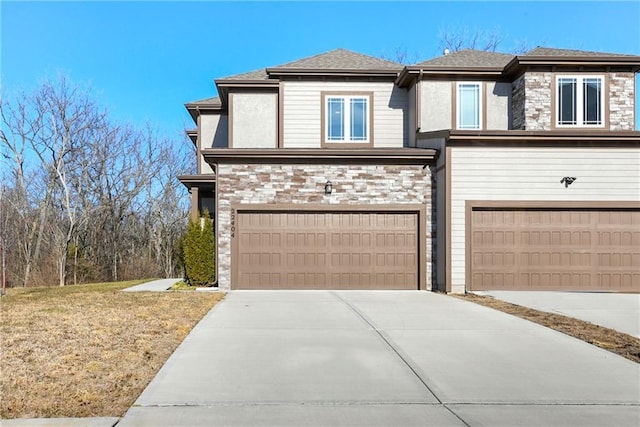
x=81 y=196
x=166 y=223
x=401 y=55
x=71 y=121
x=28 y=199
x=454 y=39
x=521 y=47
x=6 y=238
x=128 y=189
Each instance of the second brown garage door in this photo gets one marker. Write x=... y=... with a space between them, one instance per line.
x=555 y=249
x=326 y=250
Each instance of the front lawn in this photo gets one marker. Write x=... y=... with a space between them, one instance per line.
x=88 y=350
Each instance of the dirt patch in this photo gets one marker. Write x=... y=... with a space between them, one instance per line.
x=616 y=342
x=89 y=350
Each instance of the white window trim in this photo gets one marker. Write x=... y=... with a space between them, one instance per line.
x=459 y=103
x=347 y=114
x=580 y=100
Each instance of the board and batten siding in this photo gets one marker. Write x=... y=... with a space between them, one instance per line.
x=534 y=174
x=302 y=110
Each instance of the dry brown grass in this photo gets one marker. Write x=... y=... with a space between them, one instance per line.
x=88 y=350
x=616 y=342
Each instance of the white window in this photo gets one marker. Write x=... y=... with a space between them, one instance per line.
x=469 y=106
x=347 y=118
x=579 y=101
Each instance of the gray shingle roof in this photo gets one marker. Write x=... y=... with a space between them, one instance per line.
x=251 y=75
x=342 y=59
x=338 y=59
x=469 y=58
x=548 y=51
x=207 y=101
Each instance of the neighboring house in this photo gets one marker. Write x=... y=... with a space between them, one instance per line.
x=471 y=171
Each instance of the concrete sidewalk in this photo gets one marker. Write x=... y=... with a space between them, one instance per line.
x=611 y=310
x=154 y=285
x=382 y=358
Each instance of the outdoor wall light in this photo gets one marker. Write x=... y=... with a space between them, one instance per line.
x=328 y=188
x=567 y=180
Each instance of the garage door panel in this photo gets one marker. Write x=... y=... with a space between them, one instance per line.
x=327 y=250
x=555 y=250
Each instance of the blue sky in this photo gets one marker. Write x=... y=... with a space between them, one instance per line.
x=146 y=59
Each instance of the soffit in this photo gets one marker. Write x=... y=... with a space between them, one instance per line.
x=320 y=156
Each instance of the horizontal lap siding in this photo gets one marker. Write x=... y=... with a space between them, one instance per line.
x=302 y=110
x=301 y=116
x=534 y=174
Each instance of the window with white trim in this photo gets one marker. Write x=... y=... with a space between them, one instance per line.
x=469 y=114
x=347 y=118
x=579 y=101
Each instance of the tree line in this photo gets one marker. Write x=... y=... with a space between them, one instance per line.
x=84 y=198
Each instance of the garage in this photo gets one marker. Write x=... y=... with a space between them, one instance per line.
x=307 y=249
x=587 y=249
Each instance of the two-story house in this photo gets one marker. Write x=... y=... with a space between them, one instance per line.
x=471 y=171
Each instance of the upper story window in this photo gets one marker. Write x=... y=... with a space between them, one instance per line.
x=347 y=118
x=469 y=114
x=579 y=101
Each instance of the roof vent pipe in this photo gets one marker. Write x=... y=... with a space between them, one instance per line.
x=446 y=52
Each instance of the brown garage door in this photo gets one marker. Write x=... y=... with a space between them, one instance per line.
x=326 y=250
x=597 y=250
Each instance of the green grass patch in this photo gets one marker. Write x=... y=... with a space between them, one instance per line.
x=182 y=286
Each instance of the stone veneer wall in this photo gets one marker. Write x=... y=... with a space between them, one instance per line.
x=535 y=108
x=517 y=103
x=621 y=101
x=304 y=184
x=537 y=105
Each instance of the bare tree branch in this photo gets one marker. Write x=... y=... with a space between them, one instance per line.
x=79 y=192
x=458 y=38
x=401 y=55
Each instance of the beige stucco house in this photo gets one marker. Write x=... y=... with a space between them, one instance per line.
x=471 y=171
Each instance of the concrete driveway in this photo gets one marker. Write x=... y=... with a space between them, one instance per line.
x=611 y=310
x=382 y=358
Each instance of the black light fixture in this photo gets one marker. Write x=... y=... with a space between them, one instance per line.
x=567 y=180
x=328 y=188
